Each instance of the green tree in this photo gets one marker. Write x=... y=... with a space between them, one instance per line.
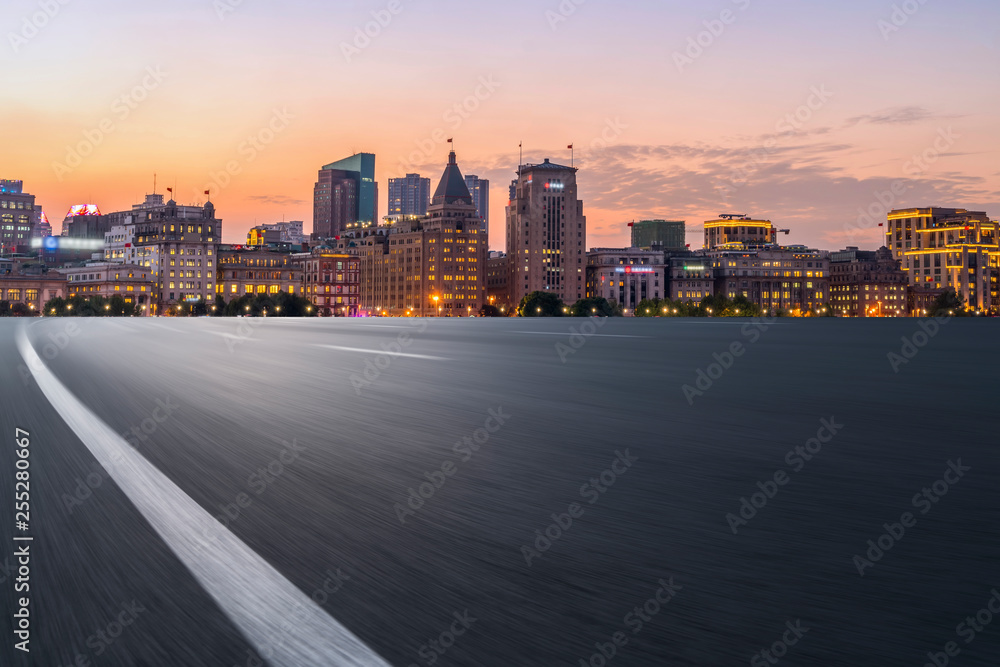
x=948 y=303
x=541 y=304
x=489 y=311
x=20 y=309
x=595 y=307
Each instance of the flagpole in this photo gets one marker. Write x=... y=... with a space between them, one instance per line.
x=520 y=157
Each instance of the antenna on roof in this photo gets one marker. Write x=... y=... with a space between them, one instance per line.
x=154 y=183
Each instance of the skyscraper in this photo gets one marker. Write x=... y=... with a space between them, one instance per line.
x=345 y=196
x=479 y=188
x=546 y=233
x=17 y=217
x=409 y=195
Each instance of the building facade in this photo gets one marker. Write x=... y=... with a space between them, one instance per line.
x=546 y=233
x=692 y=278
x=32 y=289
x=868 y=283
x=626 y=276
x=479 y=188
x=670 y=235
x=425 y=266
x=179 y=245
x=739 y=230
x=942 y=248
x=331 y=281
x=245 y=270
x=793 y=279
x=345 y=196
x=135 y=284
x=408 y=196
x=497 y=274
x=18 y=217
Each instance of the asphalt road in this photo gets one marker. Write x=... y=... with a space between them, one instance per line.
x=283 y=488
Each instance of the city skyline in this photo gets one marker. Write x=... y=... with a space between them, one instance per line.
x=679 y=130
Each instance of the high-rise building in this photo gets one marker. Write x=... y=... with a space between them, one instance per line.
x=669 y=234
x=546 y=233
x=433 y=265
x=738 y=230
x=409 y=196
x=345 y=196
x=943 y=248
x=17 y=217
x=479 y=188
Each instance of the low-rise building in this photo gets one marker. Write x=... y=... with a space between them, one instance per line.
x=793 y=279
x=32 y=289
x=331 y=280
x=137 y=285
x=868 y=283
x=691 y=277
x=244 y=270
x=626 y=276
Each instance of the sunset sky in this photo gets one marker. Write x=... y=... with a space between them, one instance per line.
x=657 y=135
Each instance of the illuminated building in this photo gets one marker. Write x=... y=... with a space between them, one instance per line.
x=409 y=196
x=626 y=276
x=331 y=280
x=135 y=284
x=692 y=278
x=432 y=265
x=243 y=270
x=943 y=248
x=84 y=221
x=867 y=283
x=345 y=196
x=276 y=233
x=497 y=275
x=668 y=234
x=179 y=244
x=794 y=279
x=546 y=233
x=17 y=217
x=43 y=228
x=31 y=289
x=739 y=229
x=479 y=188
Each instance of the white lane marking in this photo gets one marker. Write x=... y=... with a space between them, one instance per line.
x=233 y=336
x=380 y=352
x=283 y=624
x=164 y=326
x=556 y=333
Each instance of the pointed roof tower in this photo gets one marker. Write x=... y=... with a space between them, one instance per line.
x=452 y=188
